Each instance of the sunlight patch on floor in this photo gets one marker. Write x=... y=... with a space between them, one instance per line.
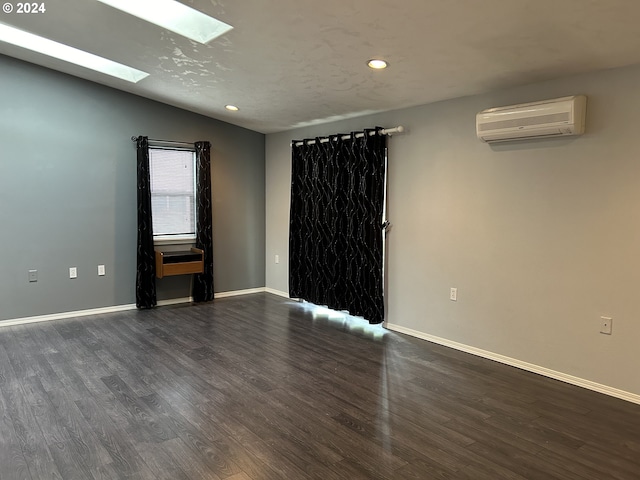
x=344 y=321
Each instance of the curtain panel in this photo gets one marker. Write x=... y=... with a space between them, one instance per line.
x=146 y=265
x=203 y=282
x=336 y=224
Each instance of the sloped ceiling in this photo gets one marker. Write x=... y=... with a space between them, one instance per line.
x=290 y=63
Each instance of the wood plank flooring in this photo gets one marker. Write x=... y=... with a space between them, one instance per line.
x=258 y=388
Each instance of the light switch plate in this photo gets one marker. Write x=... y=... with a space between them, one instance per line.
x=101 y=270
x=73 y=272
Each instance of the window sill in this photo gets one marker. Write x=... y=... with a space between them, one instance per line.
x=174 y=240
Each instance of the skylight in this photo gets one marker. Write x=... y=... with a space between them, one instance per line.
x=174 y=16
x=60 y=51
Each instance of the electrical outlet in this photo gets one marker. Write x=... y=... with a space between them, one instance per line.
x=101 y=270
x=453 y=294
x=73 y=272
x=606 y=324
x=33 y=275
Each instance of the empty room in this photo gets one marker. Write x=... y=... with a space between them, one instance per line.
x=248 y=240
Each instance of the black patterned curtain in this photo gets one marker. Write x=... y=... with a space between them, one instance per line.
x=203 y=282
x=146 y=265
x=336 y=224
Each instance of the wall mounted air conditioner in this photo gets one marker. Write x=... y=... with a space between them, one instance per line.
x=549 y=118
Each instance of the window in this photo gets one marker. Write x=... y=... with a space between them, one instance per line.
x=173 y=186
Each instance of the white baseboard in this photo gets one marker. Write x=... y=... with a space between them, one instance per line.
x=280 y=293
x=64 y=315
x=563 y=377
x=235 y=293
x=115 y=308
x=173 y=301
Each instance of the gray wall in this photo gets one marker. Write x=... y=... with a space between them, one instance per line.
x=540 y=238
x=68 y=192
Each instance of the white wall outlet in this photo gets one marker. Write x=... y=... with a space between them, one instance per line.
x=33 y=275
x=73 y=272
x=606 y=324
x=101 y=270
x=453 y=294
x=277 y=258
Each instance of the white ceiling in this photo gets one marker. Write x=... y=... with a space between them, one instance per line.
x=291 y=63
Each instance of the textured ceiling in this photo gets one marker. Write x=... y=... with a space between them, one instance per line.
x=291 y=63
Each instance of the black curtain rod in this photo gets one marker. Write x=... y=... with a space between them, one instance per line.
x=166 y=142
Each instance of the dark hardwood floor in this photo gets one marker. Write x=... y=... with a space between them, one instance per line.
x=257 y=388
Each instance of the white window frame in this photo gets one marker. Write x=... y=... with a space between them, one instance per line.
x=177 y=239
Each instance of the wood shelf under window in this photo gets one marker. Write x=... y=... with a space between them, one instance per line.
x=179 y=262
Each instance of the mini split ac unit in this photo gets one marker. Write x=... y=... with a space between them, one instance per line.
x=548 y=118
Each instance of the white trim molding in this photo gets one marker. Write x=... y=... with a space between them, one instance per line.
x=118 y=308
x=280 y=293
x=530 y=367
x=64 y=315
x=173 y=301
x=235 y=293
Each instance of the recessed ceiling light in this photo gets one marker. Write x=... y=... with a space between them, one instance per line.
x=377 y=64
x=69 y=54
x=232 y=108
x=174 y=16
